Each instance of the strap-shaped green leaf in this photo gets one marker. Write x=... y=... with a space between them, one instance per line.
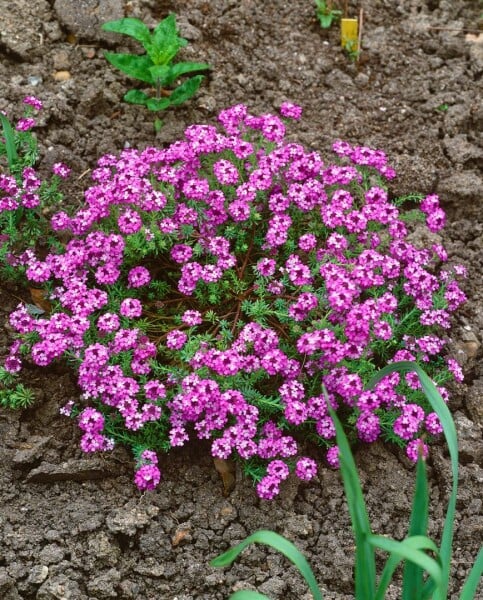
x=365 y=567
x=413 y=574
x=132 y=64
x=412 y=549
x=270 y=538
x=416 y=543
x=474 y=579
x=9 y=135
x=186 y=90
x=130 y=26
x=449 y=429
x=248 y=595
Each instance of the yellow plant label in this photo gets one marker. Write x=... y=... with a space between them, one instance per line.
x=349 y=34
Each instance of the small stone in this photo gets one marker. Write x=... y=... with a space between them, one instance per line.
x=474 y=402
x=339 y=80
x=59 y=588
x=87 y=469
x=471 y=349
x=298 y=526
x=52 y=554
x=460 y=150
x=89 y=52
x=30 y=451
x=468 y=335
x=34 y=80
x=106 y=553
x=62 y=75
x=61 y=61
x=187 y=30
x=150 y=568
x=84 y=18
x=207 y=103
x=469 y=439
x=274 y=587
x=128 y=520
x=38 y=574
x=6 y=582
x=464 y=185
x=129 y=589
x=361 y=80
x=104 y=585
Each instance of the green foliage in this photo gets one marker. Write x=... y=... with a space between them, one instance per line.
x=9 y=146
x=443 y=107
x=326 y=14
x=14 y=395
x=23 y=227
x=418 y=553
x=156 y=67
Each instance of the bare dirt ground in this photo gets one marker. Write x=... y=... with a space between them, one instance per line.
x=75 y=528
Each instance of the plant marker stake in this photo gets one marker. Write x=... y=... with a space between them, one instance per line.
x=359 y=36
x=349 y=34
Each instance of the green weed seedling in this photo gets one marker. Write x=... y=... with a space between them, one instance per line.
x=156 y=66
x=326 y=13
x=418 y=553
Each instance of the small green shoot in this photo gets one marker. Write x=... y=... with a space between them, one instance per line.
x=14 y=395
x=443 y=107
x=326 y=14
x=156 y=67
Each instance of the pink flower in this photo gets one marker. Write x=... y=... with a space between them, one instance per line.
x=61 y=169
x=147 y=477
x=176 y=339
x=138 y=277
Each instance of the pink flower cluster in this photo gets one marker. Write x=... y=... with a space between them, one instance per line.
x=285 y=277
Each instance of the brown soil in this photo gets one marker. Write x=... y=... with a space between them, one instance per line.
x=76 y=528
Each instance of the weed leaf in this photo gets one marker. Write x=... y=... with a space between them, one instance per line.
x=156 y=104
x=186 y=90
x=165 y=41
x=184 y=67
x=133 y=65
x=136 y=97
x=134 y=28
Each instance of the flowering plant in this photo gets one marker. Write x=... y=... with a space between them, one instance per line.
x=25 y=199
x=213 y=288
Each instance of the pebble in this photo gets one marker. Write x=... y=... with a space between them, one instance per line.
x=128 y=520
x=61 y=61
x=34 y=80
x=38 y=574
x=30 y=451
x=62 y=75
x=86 y=469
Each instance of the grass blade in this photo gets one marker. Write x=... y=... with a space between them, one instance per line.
x=9 y=135
x=411 y=549
x=365 y=566
x=270 y=538
x=474 y=579
x=438 y=405
x=413 y=574
x=386 y=576
x=248 y=595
